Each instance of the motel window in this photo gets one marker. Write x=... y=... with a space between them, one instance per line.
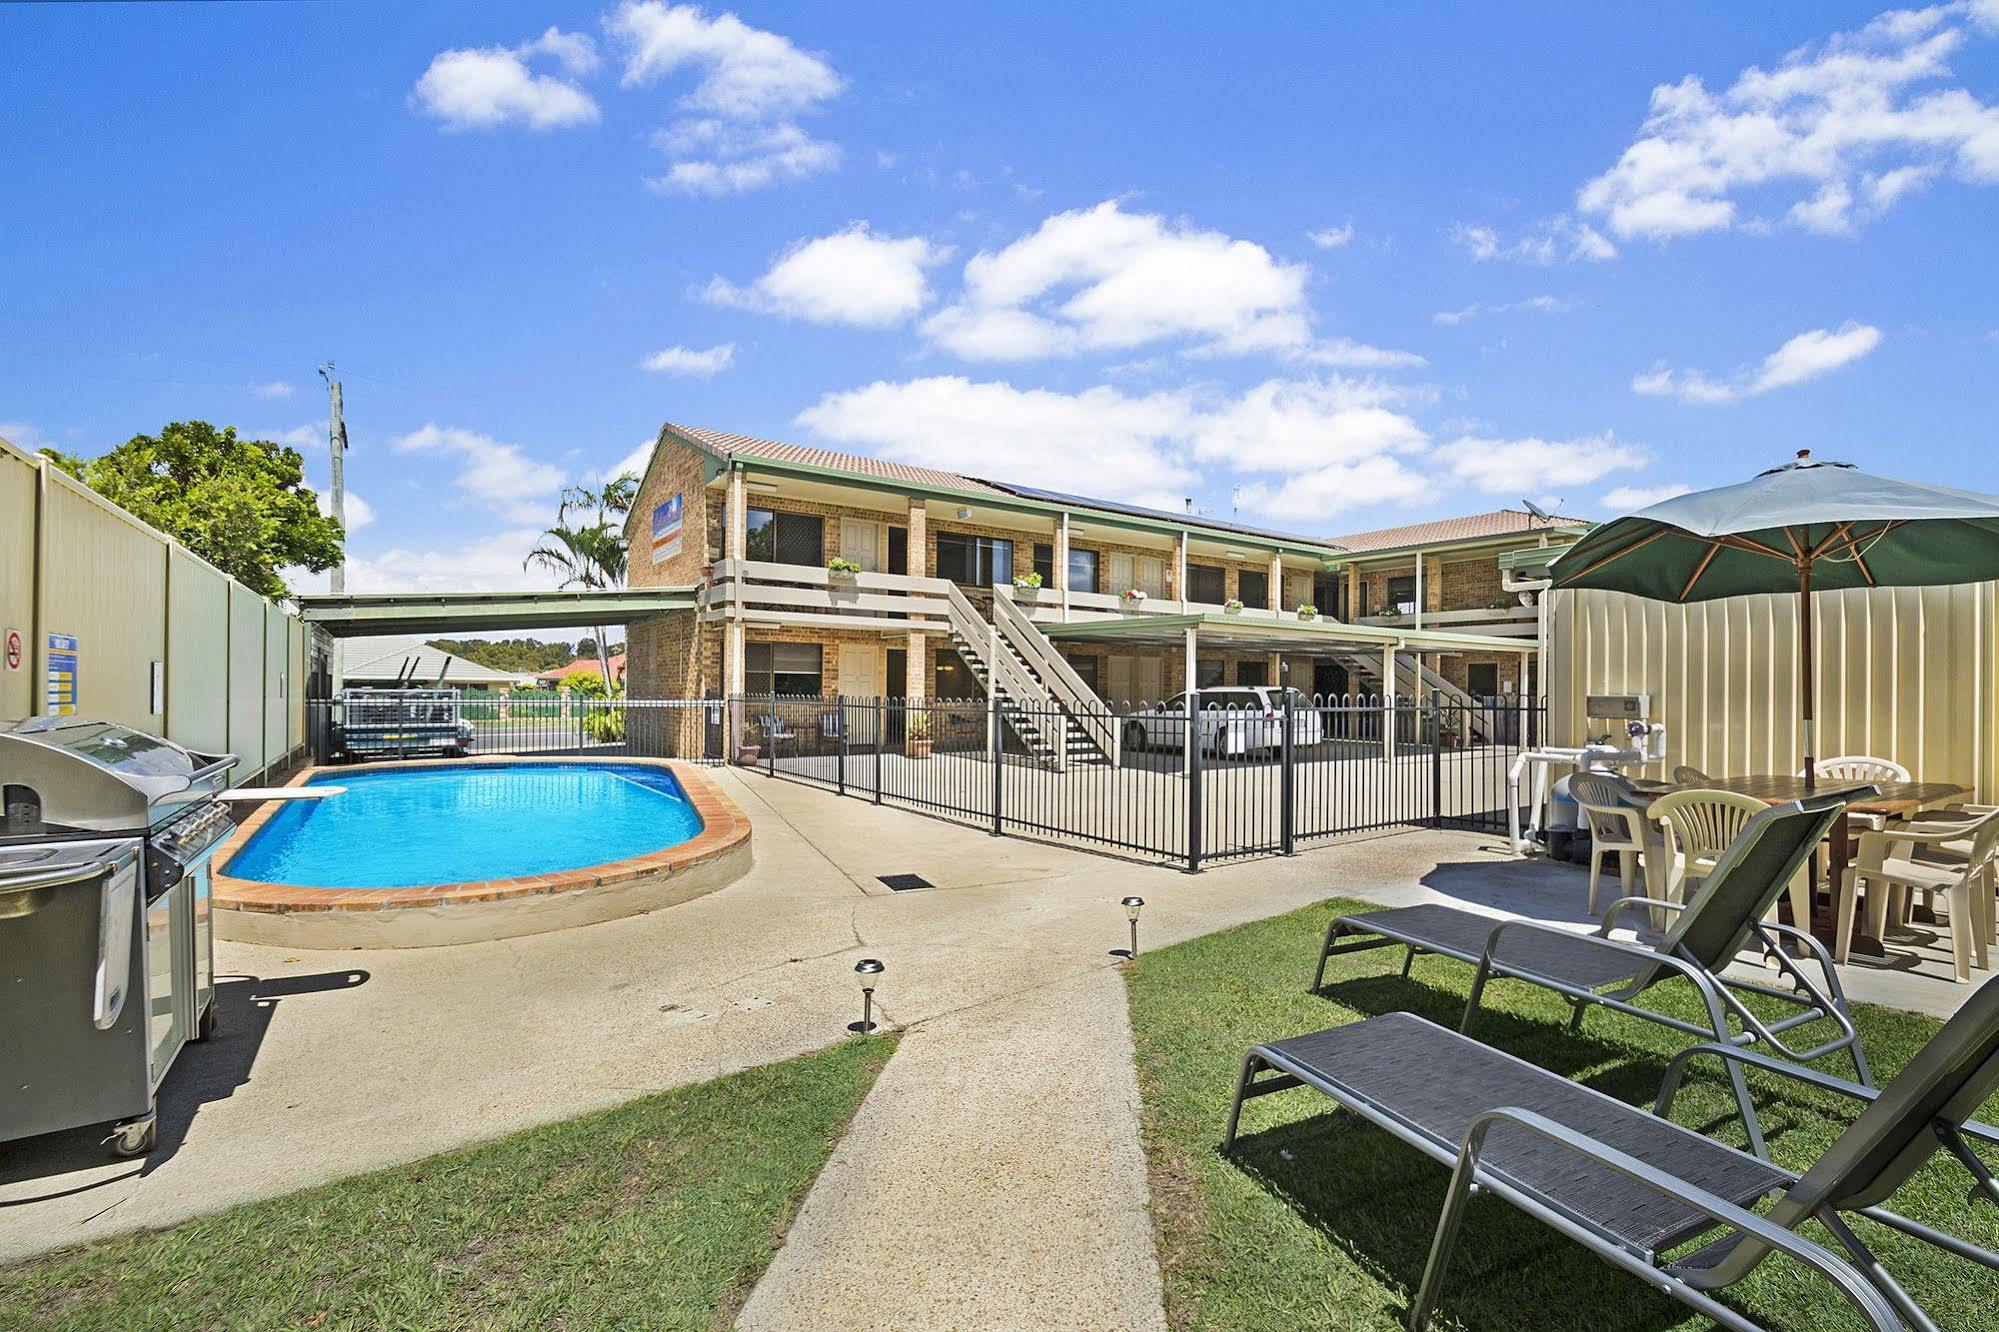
x=1086 y=670
x=783 y=668
x=1207 y=582
x=1402 y=594
x=974 y=561
x=1207 y=675
x=1252 y=672
x=898 y=550
x=1253 y=588
x=950 y=679
x=1083 y=570
x=1044 y=563
x=786 y=538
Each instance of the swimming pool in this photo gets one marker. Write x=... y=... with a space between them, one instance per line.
x=413 y=826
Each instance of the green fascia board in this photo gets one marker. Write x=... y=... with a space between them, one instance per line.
x=1533 y=557
x=1139 y=626
x=1021 y=504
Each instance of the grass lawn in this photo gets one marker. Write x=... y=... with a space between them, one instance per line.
x=658 y=1214
x=1320 y=1221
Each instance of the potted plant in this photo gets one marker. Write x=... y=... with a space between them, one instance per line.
x=843 y=570
x=1307 y=611
x=916 y=737
x=1233 y=605
x=1391 y=612
x=1132 y=596
x=1029 y=583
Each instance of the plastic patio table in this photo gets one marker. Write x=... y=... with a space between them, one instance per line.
x=1897 y=800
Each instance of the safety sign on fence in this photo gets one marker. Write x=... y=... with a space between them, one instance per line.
x=62 y=656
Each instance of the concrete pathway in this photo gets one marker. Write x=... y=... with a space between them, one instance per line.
x=994 y=1179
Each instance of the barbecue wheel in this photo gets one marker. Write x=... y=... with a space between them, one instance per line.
x=136 y=1138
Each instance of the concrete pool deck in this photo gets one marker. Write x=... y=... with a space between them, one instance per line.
x=332 y=1063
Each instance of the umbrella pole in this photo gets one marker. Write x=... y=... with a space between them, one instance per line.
x=1809 y=676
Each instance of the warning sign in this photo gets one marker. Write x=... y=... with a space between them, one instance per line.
x=62 y=654
x=16 y=649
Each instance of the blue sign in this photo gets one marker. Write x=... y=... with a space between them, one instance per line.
x=666 y=531
x=62 y=654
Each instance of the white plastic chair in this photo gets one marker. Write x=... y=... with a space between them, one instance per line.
x=1613 y=826
x=1699 y=827
x=1954 y=859
x=1860 y=768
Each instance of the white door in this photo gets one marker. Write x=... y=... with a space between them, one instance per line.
x=1298 y=591
x=1152 y=575
x=1152 y=678
x=860 y=541
x=860 y=670
x=1121 y=679
x=1123 y=576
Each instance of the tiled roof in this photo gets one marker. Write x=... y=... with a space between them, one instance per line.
x=1499 y=522
x=586 y=666
x=726 y=446
x=409 y=656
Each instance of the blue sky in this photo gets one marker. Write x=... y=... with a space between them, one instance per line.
x=1325 y=270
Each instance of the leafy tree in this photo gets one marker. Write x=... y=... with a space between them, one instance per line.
x=240 y=504
x=592 y=553
x=522 y=656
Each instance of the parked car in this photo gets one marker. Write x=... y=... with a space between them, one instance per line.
x=1234 y=722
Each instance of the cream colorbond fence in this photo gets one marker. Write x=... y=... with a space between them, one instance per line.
x=1904 y=673
x=231 y=664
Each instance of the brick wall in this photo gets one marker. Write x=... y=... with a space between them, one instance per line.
x=676 y=469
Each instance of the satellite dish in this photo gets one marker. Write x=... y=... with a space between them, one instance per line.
x=1538 y=511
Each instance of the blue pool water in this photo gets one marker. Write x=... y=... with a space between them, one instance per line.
x=409 y=827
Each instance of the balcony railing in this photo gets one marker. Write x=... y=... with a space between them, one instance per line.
x=1510 y=621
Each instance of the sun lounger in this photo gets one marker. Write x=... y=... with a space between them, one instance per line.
x=1632 y=1186
x=1707 y=932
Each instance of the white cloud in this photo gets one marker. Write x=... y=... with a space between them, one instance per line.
x=1815 y=352
x=1102 y=278
x=1282 y=426
x=746 y=73
x=1331 y=238
x=1532 y=305
x=1308 y=497
x=492 y=473
x=487 y=563
x=277 y=388
x=304 y=438
x=850 y=277
x=632 y=464
x=1535 y=466
x=716 y=157
x=1098 y=442
x=740 y=133
x=1630 y=499
x=485 y=87
x=1346 y=354
x=22 y=435
x=687 y=361
x=359 y=513
x=1855 y=122
x=1561 y=237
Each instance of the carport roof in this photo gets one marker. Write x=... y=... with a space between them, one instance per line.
x=449 y=613
x=1254 y=634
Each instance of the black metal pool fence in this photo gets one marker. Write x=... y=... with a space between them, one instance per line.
x=1255 y=781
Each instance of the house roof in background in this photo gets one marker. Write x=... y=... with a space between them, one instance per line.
x=585 y=666
x=390 y=659
x=1469 y=527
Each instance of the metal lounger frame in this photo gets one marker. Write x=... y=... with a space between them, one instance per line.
x=1468 y=1178
x=1719 y=994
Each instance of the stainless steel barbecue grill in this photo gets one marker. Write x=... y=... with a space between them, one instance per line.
x=106 y=949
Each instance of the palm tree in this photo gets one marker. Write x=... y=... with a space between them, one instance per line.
x=591 y=554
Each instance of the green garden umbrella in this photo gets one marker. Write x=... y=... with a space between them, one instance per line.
x=1806 y=525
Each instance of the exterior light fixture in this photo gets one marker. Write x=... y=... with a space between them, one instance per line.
x=869 y=970
x=1132 y=906
x=964 y=515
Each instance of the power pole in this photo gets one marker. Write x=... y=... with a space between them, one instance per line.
x=336 y=445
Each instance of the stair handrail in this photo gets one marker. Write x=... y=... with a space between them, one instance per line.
x=1005 y=671
x=1070 y=688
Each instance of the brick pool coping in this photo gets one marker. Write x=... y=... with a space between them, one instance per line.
x=724 y=827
